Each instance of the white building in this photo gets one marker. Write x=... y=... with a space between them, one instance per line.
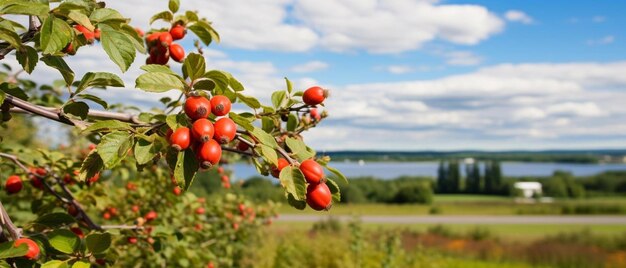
x=529 y=189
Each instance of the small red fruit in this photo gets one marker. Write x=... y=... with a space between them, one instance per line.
x=235 y=226
x=209 y=154
x=152 y=38
x=132 y=240
x=89 y=35
x=72 y=210
x=180 y=139
x=13 y=184
x=150 y=216
x=242 y=146
x=159 y=55
x=178 y=32
x=315 y=114
x=220 y=170
x=226 y=185
x=318 y=196
x=242 y=209
x=139 y=31
x=78 y=232
x=113 y=211
x=225 y=130
x=36 y=182
x=33 y=248
x=200 y=210
x=282 y=163
x=135 y=208
x=314 y=95
x=177 y=52
x=69 y=49
x=225 y=178
x=202 y=130
x=96 y=34
x=177 y=190
x=313 y=172
x=220 y=105
x=197 y=107
x=131 y=186
x=210 y=265
x=106 y=215
x=94 y=179
x=166 y=39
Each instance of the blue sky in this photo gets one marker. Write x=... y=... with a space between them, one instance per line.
x=423 y=74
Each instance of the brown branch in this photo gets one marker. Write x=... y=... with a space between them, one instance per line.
x=122 y=227
x=24 y=38
x=5 y=221
x=237 y=151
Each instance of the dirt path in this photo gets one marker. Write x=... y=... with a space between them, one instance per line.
x=465 y=219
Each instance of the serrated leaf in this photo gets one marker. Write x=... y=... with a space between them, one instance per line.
x=28 y=58
x=158 y=82
x=165 y=15
x=108 y=125
x=64 y=240
x=194 y=66
x=55 y=34
x=300 y=149
x=11 y=37
x=264 y=137
x=54 y=264
x=334 y=190
x=145 y=150
x=118 y=46
x=100 y=79
x=54 y=220
x=174 y=5
x=59 y=64
x=78 y=108
x=292 y=179
x=109 y=148
x=250 y=101
x=98 y=242
x=9 y=250
x=186 y=168
x=292 y=122
x=269 y=154
x=91 y=166
x=336 y=172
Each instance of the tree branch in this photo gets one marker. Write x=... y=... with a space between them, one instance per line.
x=237 y=151
x=122 y=227
x=5 y=221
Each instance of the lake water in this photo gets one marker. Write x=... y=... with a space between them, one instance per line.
x=390 y=170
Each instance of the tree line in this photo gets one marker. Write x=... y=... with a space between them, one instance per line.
x=480 y=178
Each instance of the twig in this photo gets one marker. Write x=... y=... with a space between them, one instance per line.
x=122 y=227
x=237 y=151
x=5 y=220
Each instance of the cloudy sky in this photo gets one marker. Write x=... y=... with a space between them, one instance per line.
x=421 y=74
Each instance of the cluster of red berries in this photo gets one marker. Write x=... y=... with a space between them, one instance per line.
x=205 y=137
x=224 y=177
x=161 y=45
x=90 y=36
x=318 y=195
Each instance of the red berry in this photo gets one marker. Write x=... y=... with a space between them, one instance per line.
x=131 y=186
x=209 y=154
x=113 y=211
x=314 y=95
x=197 y=107
x=282 y=163
x=220 y=105
x=318 y=196
x=200 y=210
x=313 y=172
x=96 y=34
x=33 y=248
x=180 y=139
x=152 y=38
x=139 y=31
x=106 y=215
x=150 y=216
x=177 y=190
x=69 y=49
x=78 y=232
x=226 y=185
x=166 y=39
x=220 y=170
x=225 y=178
x=72 y=210
x=225 y=130
x=315 y=114
x=159 y=55
x=91 y=146
x=13 y=184
x=242 y=209
x=202 y=130
x=89 y=35
x=135 y=208
x=235 y=226
x=36 y=182
x=94 y=179
x=132 y=240
x=210 y=265
x=242 y=146
x=177 y=52
x=178 y=32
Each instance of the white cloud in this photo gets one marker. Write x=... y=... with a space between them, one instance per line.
x=462 y=58
x=396 y=69
x=518 y=16
x=311 y=66
x=602 y=41
x=598 y=19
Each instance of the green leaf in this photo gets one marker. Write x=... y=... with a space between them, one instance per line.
x=57 y=219
x=146 y=150
x=174 y=5
x=132 y=35
x=28 y=58
x=186 y=168
x=292 y=122
x=108 y=125
x=158 y=82
x=11 y=37
x=13 y=90
x=194 y=66
x=205 y=84
x=155 y=68
x=334 y=190
x=289 y=85
x=98 y=242
x=99 y=79
x=109 y=148
x=2 y=96
x=278 y=98
x=269 y=154
x=91 y=166
x=191 y=16
x=81 y=19
x=64 y=240
x=79 y=109
x=55 y=264
x=81 y=264
x=336 y=172
x=235 y=84
x=106 y=15
x=204 y=31
x=165 y=15
x=300 y=149
x=118 y=46
x=298 y=204
x=24 y=8
x=250 y=101
x=59 y=64
x=241 y=121
x=95 y=99
x=8 y=250
x=292 y=179
x=264 y=137
x=55 y=34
